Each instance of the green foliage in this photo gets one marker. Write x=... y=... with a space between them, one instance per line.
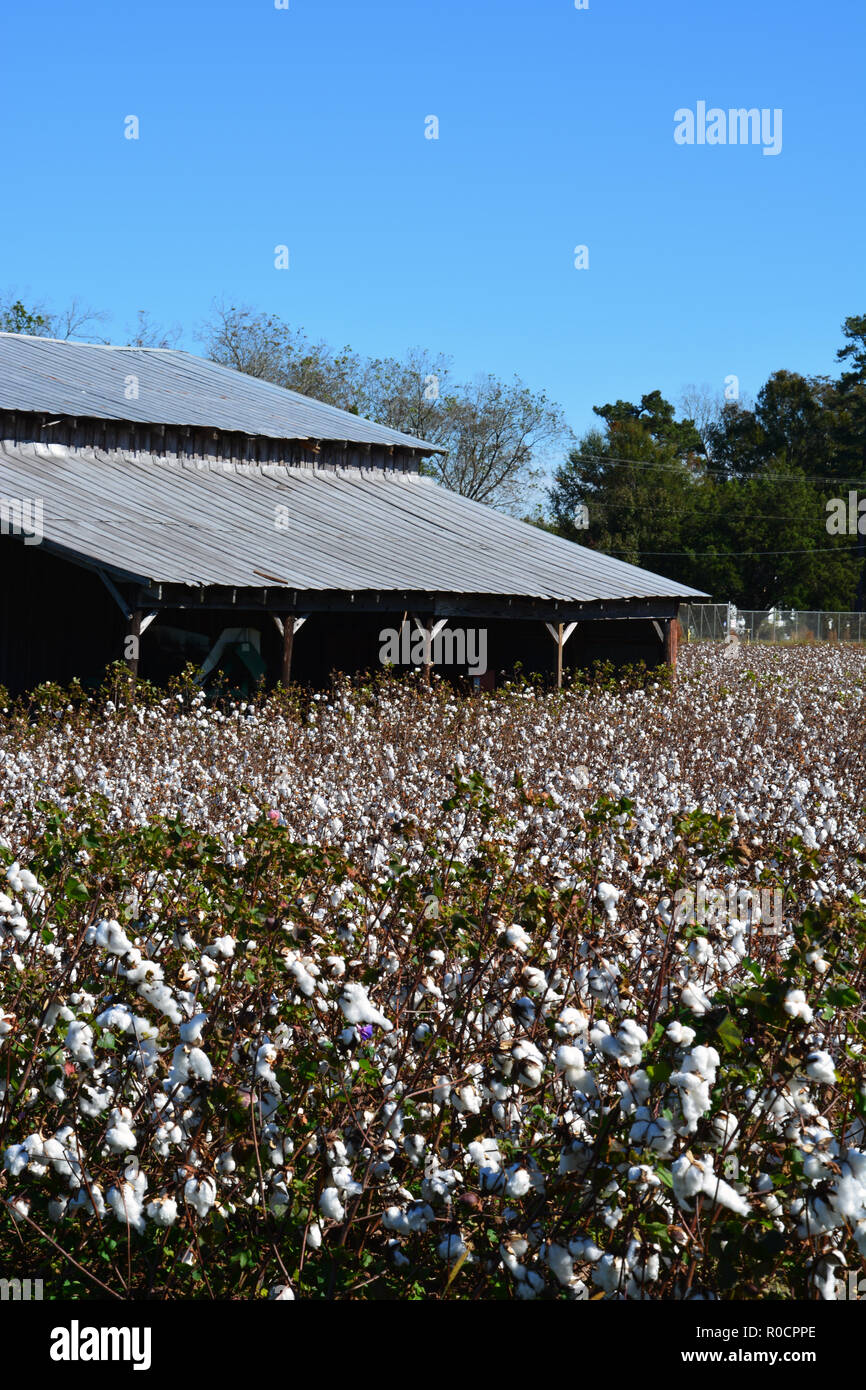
x=737 y=509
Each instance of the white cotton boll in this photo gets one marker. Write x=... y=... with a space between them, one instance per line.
x=451 y=1248
x=191 y=1031
x=79 y=1037
x=55 y=1153
x=28 y=882
x=120 y=1137
x=819 y=1066
x=179 y=1073
x=162 y=1211
x=519 y=1183
x=199 y=1065
x=695 y=1099
x=571 y=1022
x=680 y=1034
x=20 y=928
x=94 y=1101
x=414 y=1145
x=722 y=1193
x=222 y=949
x=608 y=896
x=626 y=1047
x=265 y=1057
x=111 y=937
x=570 y=1061
x=795 y=1005
x=848 y=1198
x=609 y=1273
x=817 y=962
x=138 y=969
x=692 y=1176
x=90 y=1198
x=533 y=978
x=694 y=998
x=516 y=939
x=117 y=1018
x=200 y=1194
x=485 y=1153
x=342 y=1179
x=314 y=1235
x=527 y=1055
x=635 y=1091
x=161 y=997
x=330 y=1205
x=658 y=1134
x=688 y=1180
x=357 y=1008
x=15 y=1159
x=644 y=1176
x=395 y=1219
x=18 y=1208
x=560 y=1264
x=305 y=981
x=724 y=1127
x=125 y=1202
x=466 y=1100
x=143 y=1030
x=825 y=1275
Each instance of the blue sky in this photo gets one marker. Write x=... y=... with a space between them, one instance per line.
x=306 y=127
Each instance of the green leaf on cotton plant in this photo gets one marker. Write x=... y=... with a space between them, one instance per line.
x=843 y=997
x=729 y=1034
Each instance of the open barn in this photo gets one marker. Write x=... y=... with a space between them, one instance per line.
x=163 y=509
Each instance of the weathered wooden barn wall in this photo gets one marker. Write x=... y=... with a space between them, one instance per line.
x=190 y=443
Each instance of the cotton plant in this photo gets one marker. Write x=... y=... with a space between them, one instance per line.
x=275 y=981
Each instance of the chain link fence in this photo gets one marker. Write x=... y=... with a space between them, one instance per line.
x=711 y=622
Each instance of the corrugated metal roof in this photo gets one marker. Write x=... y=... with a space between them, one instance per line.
x=174 y=388
x=350 y=529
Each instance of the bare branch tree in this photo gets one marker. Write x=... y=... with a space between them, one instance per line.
x=148 y=334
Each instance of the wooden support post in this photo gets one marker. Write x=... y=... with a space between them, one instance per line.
x=560 y=635
x=671 y=637
x=288 y=643
x=132 y=642
x=287 y=628
x=431 y=629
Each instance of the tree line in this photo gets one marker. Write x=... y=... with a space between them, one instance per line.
x=742 y=501
x=756 y=503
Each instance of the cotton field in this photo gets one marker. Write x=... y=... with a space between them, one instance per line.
x=400 y=993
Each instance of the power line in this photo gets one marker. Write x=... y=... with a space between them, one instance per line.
x=730 y=554
x=718 y=472
x=599 y=506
